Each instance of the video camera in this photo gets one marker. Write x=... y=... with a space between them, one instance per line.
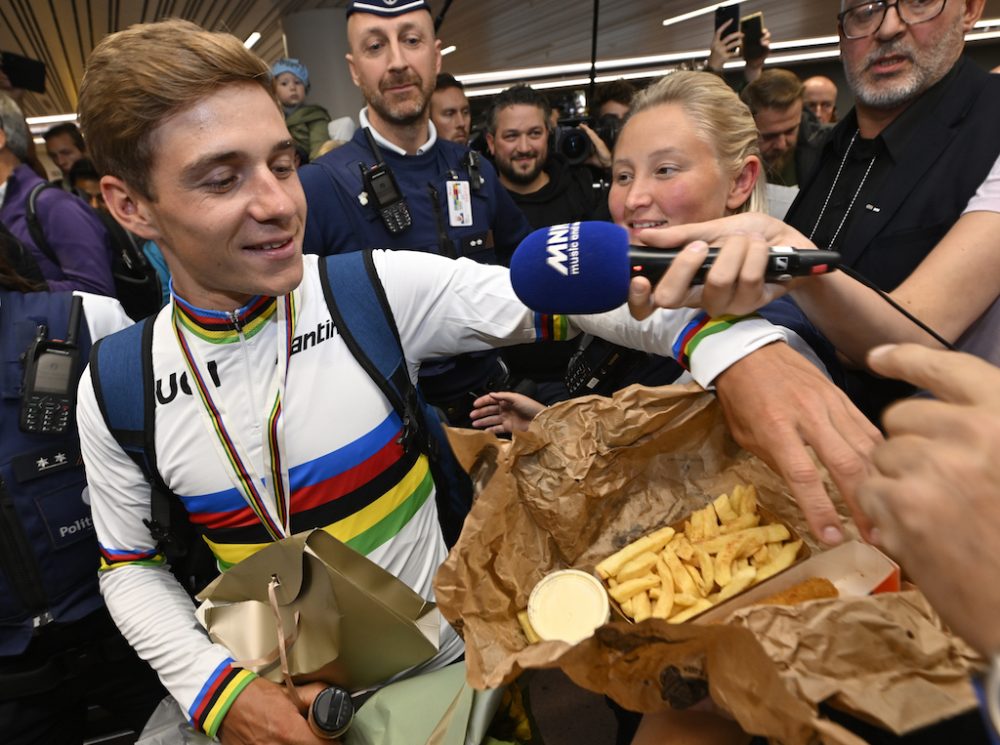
x=573 y=143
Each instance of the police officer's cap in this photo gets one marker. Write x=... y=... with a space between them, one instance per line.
x=386 y=8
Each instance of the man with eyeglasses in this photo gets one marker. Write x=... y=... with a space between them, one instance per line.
x=900 y=167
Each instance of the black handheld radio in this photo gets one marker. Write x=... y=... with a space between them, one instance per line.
x=50 y=376
x=381 y=187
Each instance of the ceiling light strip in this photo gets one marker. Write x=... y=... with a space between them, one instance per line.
x=696 y=13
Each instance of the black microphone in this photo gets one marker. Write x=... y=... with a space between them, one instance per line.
x=586 y=267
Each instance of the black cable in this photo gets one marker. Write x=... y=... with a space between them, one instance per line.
x=593 y=57
x=885 y=296
x=440 y=16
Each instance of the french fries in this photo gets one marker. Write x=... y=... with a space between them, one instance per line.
x=722 y=551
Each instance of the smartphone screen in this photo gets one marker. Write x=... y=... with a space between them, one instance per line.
x=752 y=27
x=23 y=72
x=728 y=13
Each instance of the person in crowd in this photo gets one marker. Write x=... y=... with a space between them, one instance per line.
x=453 y=202
x=910 y=155
x=820 y=96
x=688 y=151
x=65 y=146
x=790 y=136
x=73 y=232
x=60 y=652
x=450 y=109
x=726 y=45
x=308 y=123
x=542 y=184
x=241 y=286
x=549 y=191
x=85 y=181
x=613 y=98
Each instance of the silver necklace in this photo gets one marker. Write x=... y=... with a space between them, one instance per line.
x=833 y=186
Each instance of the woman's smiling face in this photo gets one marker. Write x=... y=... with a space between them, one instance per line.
x=665 y=174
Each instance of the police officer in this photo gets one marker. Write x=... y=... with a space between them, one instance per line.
x=396 y=185
x=59 y=649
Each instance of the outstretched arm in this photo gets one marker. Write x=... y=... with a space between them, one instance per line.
x=504 y=411
x=965 y=265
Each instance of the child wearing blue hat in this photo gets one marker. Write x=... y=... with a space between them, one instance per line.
x=307 y=123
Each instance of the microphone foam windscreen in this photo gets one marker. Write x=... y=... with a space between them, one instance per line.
x=582 y=267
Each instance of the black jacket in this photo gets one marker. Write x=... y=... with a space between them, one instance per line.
x=947 y=153
x=571 y=195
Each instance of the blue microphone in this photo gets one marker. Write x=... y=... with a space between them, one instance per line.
x=582 y=267
x=586 y=267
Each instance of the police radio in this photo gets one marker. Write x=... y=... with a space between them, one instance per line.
x=49 y=389
x=381 y=187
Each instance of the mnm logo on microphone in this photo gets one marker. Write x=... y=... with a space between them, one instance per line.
x=562 y=245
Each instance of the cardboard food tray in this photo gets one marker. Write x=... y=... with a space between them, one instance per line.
x=856 y=569
x=766 y=518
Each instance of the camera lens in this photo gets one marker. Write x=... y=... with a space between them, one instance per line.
x=607 y=128
x=574 y=145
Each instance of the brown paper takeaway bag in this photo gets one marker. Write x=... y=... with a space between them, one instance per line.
x=595 y=473
x=345 y=620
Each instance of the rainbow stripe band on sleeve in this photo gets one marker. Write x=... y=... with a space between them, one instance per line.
x=112 y=558
x=217 y=695
x=697 y=330
x=551 y=327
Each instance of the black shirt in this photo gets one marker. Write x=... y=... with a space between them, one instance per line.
x=863 y=165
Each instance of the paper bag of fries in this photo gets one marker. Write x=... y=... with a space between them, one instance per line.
x=594 y=475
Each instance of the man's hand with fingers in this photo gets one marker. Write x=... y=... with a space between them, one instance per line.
x=934 y=492
x=778 y=405
x=264 y=714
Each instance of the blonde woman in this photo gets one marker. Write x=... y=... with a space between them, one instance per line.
x=686 y=154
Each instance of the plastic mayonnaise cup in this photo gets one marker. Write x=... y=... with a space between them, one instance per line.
x=568 y=605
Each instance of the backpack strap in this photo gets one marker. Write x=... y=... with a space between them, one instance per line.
x=35 y=225
x=359 y=308
x=121 y=369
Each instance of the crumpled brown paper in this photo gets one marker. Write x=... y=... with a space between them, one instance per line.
x=593 y=474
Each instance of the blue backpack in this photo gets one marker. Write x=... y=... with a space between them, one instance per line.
x=121 y=367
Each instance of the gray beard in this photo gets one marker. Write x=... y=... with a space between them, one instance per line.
x=928 y=68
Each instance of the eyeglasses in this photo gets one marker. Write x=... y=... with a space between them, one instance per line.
x=866 y=19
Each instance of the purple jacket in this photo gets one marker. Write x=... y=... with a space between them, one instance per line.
x=72 y=230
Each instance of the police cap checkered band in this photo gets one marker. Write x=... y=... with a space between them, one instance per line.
x=387 y=7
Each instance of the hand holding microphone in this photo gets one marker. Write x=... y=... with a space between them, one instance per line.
x=589 y=267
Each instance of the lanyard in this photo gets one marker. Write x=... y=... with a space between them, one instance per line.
x=268 y=498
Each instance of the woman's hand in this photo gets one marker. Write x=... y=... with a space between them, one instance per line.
x=504 y=411
x=735 y=284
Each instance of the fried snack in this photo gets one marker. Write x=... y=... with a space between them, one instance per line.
x=722 y=550
x=814 y=588
x=653 y=542
x=633 y=587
